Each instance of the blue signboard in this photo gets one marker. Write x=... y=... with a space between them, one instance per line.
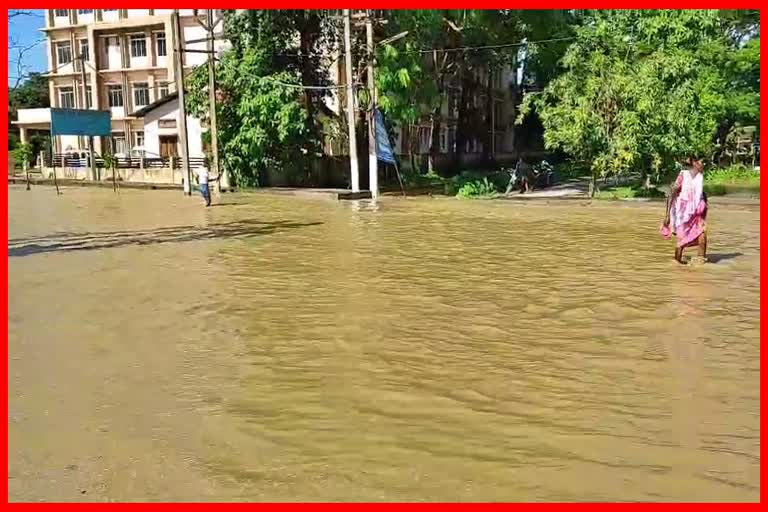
x=383 y=147
x=69 y=121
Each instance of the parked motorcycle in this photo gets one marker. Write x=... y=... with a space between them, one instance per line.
x=526 y=178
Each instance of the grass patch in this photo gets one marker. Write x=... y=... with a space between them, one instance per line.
x=731 y=180
x=634 y=192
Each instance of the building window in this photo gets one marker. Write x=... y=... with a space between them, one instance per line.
x=138 y=45
x=109 y=10
x=162 y=90
x=61 y=13
x=140 y=94
x=85 y=11
x=115 y=94
x=162 y=50
x=66 y=97
x=64 y=52
x=88 y=97
x=118 y=139
x=454 y=98
x=84 y=49
x=443 y=140
x=424 y=138
x=138 y=139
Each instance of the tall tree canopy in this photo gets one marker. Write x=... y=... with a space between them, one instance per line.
x=641 y=89
x=264 y=118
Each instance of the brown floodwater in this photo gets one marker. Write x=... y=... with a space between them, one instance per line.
x=278 y=348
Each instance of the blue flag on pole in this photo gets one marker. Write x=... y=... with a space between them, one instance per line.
x=383 y=147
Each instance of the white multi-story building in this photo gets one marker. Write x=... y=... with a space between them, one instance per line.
x=128 y=59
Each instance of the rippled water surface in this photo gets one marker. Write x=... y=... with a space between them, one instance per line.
x=276 y=348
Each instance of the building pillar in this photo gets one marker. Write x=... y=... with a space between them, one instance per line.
x=23 y=134
x=125 y=58
x=152 y=54
x=170 y=44
x=153 y=97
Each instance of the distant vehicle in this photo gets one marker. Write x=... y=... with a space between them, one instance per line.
x=138 y=152
x=525 y=178
x=78 y=158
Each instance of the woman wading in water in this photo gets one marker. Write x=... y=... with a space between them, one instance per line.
x=687 y=211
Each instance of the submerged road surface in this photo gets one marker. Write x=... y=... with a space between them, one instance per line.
x=274 y=348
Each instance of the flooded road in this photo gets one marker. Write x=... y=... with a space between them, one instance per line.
x=275 y=348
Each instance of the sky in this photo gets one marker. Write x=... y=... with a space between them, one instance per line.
x=24 y=30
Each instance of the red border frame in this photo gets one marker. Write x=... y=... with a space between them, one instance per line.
x=393 y=4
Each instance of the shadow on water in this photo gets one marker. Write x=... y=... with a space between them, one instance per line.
x=717 y=258
x=65 y=242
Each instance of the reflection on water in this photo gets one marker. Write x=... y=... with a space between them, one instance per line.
x=275 y=348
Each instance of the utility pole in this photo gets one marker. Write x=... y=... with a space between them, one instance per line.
x=373 y=161
x=353 y=166
x=223 y=180
x=179 y=67
x=84 y=79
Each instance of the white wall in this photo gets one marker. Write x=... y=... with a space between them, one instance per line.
x=137 y=13
x=195 y=137
x=85 y=18
x=60 y=21
x=110 y=15
x=68 y=142
x=111 y=51
x=191 y=33
x=152 y=131
x=163 y=12
x=151 y=137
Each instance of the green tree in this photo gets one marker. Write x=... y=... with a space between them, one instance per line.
x=265 y=118
x=32 y=93
x=464 y=48
x=640 y=90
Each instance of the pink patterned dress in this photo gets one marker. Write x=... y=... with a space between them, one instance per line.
x=688 y=213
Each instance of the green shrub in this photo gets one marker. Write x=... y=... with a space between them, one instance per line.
x=733 y=175
x=477 y=188
x=715 y=189
x=498 y=180
x=22 y=153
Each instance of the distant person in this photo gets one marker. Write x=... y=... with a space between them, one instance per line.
x=202 y=181
x=686 y=214
x=523 y=173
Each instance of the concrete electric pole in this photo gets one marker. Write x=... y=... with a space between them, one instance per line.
x=373 y=162
x=351 y=114
x=179 y=68
x=84 y=79
x=223 y=181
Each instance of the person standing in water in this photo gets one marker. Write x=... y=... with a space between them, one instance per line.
x=686 y=211
x=202 y=180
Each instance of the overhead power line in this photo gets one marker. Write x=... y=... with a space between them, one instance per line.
x=495 y=46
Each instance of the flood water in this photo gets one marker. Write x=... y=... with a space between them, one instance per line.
x=277 y=348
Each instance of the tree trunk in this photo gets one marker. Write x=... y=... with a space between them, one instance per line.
x=306 y=41
x=461 y=122
x=434 y=138
x=412 y=140
x=488 y=155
